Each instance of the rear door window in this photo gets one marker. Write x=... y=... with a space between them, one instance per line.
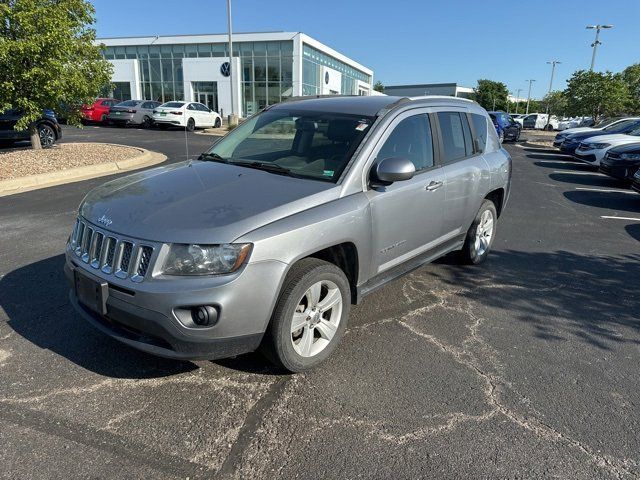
x=455 y=136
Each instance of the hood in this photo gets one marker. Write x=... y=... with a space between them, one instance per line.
x=628 y=148
x=615 y=139
x=571 y=131
x=201 y=202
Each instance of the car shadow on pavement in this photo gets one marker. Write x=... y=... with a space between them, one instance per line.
x=633 y=230
x=35 y=300
x=588 y=180
x=625 y=202
x=556 y=157
x=562 y=295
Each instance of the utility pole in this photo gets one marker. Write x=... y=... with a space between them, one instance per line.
x=233 y=118
x=529 y=95
x=553 y=64
x=597 y=41
x=517 y=99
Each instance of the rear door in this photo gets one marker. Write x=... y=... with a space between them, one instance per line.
x=463 y=168
x=407 y=216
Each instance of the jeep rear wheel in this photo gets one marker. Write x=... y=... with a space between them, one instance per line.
x=480 y=235
x=310 y=317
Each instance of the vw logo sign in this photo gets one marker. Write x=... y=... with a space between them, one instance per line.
x=225 y=69
x=326 y=78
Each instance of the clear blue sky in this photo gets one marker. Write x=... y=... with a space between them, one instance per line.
x=415 y=41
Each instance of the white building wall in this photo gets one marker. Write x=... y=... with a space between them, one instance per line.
x=330 y=81
x=128 y=71
x=208 y=70
x=297 y=66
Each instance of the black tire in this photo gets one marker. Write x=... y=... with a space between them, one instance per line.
x=277 y=344
x=471 y=254
x=218 y=123
x=191 y=125
x=47 y=135
x=147 y=122
x=103 y=119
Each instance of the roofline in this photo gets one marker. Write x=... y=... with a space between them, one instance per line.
x=237 y=37
x=312 y=42
x=427 y=85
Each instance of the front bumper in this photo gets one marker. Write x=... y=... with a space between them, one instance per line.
x=590 y=158
x=621 y=172
x=145 y=315
x=568 y=148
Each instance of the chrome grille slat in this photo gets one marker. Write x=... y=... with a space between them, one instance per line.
x=122 y=257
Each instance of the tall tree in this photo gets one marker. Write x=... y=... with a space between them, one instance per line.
x=556 y=102
x=48 y=58
x=379 y=87
x=631 y=77
x=491 y=95
x=596 y=94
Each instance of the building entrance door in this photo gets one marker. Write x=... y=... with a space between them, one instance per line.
x=206 y=93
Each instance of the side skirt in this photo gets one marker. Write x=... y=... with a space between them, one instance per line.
x=380 y=280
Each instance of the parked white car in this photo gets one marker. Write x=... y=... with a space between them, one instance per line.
x=593 y=149
x=569 y=123
x=540 y=121
x=191 y=115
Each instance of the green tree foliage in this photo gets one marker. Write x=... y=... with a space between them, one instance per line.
x=379 y=87
x=631 y=77
x=489 y=93
x=556 y=102
x=48 y=58
x=596 y=94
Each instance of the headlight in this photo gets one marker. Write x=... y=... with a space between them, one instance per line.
x=596 y=146
x=205 y=259
x=630 y=156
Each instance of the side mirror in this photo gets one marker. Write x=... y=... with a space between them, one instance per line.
x=393 y=169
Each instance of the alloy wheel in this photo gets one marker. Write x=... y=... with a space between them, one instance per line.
x=484 y=232
x=47 y=137
x=316 y=318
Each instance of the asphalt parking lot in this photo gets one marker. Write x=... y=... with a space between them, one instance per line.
x=524 y=367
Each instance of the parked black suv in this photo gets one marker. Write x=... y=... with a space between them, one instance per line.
x=48 y=128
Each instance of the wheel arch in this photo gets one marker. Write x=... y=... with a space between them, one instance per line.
x=497 y=197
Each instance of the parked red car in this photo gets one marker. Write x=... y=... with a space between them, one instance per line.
x=98 y=110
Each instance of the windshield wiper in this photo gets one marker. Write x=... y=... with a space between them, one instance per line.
x=267 y=167
x=213 y=157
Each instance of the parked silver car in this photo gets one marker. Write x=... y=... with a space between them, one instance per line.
x=133 y=112
x=269 y=237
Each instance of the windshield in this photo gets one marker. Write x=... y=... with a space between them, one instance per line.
x=605 y=122
x=315 y=145
x=173 y=104
x=621 y=126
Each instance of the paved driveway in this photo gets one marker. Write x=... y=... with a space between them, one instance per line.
x=525 y=367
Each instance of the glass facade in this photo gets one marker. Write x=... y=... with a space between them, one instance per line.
x=266 y=69
x=313 y=58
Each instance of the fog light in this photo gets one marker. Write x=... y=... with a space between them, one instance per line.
x=204 y=316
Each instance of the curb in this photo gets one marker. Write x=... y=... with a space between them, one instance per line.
x=211 y=133
x=146 y=158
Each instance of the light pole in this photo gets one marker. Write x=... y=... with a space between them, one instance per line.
x=553 y=64
x=597 y=41
x=233 y=118
x=529 y=95
x=517 y=99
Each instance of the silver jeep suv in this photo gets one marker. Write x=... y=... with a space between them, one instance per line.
x=269 y=237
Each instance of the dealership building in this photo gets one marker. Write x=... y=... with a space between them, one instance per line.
x=267 y=67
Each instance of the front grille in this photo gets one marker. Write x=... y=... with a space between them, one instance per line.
x=104 y=251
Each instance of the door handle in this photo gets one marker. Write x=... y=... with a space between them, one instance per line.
x=433 y=186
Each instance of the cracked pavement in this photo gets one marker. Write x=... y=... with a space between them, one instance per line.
x=525 y=367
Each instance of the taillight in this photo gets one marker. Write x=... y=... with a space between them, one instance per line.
x=176 y=113
x=130 y=111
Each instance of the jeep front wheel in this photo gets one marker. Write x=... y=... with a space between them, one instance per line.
x=310 y=317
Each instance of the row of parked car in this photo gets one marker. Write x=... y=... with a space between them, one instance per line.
x=613 y=147
x=149 y=113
